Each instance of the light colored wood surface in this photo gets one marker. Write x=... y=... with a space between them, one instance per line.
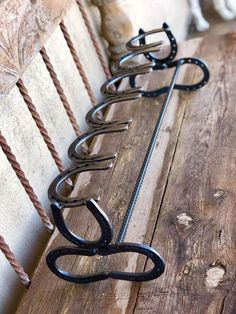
x=25 y=26
x=196 y=227
x=179 y=210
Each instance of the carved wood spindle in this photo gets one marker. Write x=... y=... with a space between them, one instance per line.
x=116 y=27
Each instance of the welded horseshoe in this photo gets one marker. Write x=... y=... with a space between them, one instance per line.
x=54 y=194
x=141 y=38
x=120 y=66
x=91 y=116
x=155 y=272
x=108 y=89
x=99 y=215
x=130 y=45
x=76 y=154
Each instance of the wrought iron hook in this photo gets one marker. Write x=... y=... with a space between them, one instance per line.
x=76 y=154
x=93 y=121
x=120 y=67
x=141 y=38
x=108 y=88
x=54 y=194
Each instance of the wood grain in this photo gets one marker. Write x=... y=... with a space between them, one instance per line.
x=24 y=28
x=196 y=227
x=188 y=189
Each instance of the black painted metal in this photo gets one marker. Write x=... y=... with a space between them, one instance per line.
x=112 y=96
x=147 y=158
x=100 y=216
x=142 y=249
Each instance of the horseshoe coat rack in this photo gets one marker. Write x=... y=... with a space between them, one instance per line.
x=87 y=162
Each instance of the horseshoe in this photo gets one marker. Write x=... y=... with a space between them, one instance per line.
x=120 y=68
x=99 y=215
x=77 y=155
x=155 y=272
x=190 y=87
x=95 y=122
x=108 y=89
x=54 y=188
x=141 y=38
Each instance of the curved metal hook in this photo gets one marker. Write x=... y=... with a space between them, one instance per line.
x=99 y=215
x=120 y=68
x=77 y=155
x=108 y=91
x=93 y=121
x=135 y=48
x=155 y=272
x=54 y=188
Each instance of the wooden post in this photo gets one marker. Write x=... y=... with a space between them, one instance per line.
x=116 y=27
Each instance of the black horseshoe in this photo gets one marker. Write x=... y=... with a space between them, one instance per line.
x=108 y=91
x=77 y=155
x=99 y=215
x=93 y=121
x=135 y=48
x=160 y=62
x=54 y=193
x=195 y=61
x=148 y=54
x=120 y=68
x=155 y=272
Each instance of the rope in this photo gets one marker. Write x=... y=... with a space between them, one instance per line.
x=24 y=278
x=93 y=38
x=78 y=63
x=60 y=91
x=40 y=125
x=24 y=181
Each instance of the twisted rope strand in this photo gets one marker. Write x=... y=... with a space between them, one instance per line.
x=40 y=125
x=60 y=91
x=24 y=181
x=78 y=63
x=24 y=278
x=94 y=40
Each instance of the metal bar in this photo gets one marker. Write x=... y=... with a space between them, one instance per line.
x=147 y=158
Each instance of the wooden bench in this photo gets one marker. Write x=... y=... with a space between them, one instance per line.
x=50 y=51
x=185 y=209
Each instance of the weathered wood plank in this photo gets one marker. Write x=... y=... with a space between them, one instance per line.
x=196 y=227
x=25 y=25
x=116 y=296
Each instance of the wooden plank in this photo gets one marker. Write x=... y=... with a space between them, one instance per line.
x=115 y=188
x=25 y=26
x=196 y=228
